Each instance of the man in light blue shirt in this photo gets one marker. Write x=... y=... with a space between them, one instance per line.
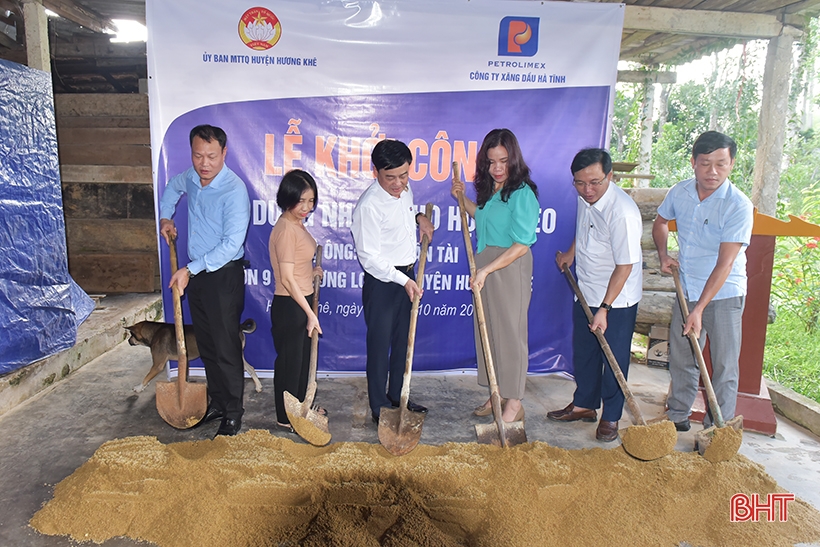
x=714 y=224
x=218 y=216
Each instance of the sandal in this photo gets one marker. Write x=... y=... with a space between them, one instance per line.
x=319 y=410
x=287 y=428
x=486 y=409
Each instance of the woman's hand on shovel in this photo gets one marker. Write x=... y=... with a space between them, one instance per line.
x=313 y=323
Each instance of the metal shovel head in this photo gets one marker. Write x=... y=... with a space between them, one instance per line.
x=182 y=406
x=400 y=429
x=514 y=433
x=718 y=444
x=309 y=424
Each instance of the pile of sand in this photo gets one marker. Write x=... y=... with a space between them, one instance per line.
x=259 y=490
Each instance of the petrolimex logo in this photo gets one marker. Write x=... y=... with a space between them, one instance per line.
x=260 y=29
x=518 y=36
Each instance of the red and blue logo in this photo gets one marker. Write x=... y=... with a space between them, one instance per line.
x=518 y=36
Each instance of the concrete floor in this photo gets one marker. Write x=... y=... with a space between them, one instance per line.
x=47 y=438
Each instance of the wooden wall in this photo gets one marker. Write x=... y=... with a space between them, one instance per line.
x=108 y=197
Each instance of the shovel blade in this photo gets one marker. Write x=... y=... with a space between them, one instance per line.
x=183 y=406
x=514 y=433
x=716 y=445
x=400 y=430
x=309 y=424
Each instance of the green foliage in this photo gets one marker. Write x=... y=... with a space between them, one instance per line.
x=796 y=273
x=729 y=102
x=792 y=356
x=626 y=129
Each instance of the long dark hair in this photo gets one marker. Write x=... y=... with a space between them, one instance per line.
x=517 y=170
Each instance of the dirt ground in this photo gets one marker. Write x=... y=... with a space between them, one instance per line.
x=259 y=490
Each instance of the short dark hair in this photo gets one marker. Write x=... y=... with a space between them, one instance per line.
x=390 y=154
x=591 y=156
x=293 y=185
x=208 y=133
x=710 y=141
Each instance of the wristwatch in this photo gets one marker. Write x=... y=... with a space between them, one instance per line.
x=190 y=273
x=606 y=306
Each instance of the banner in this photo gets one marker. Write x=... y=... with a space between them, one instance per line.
x=314 y=85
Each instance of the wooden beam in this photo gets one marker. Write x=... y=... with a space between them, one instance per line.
x=36 y=23
x=653 y=76
x=702 y=22
x=810 y=7
x=100 y=48
x=80 y=15
x=696 y=49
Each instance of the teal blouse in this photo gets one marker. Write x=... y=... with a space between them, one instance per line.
x=501 y=224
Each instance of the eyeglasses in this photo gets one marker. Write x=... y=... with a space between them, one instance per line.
x=592 y=183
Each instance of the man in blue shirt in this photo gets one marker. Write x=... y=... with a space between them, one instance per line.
x=218 y=216
x=714 y=223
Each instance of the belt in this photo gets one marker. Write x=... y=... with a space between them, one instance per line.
x=408 y=268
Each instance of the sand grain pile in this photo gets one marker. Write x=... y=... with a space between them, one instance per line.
x=277 y=492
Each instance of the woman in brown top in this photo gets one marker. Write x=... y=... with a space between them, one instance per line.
x=292 y=319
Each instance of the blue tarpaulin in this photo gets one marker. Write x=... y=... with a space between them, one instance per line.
x=40 y=305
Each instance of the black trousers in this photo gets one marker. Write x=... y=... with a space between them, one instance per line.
x=387 y=316
x=216 y=301
x=292 y=344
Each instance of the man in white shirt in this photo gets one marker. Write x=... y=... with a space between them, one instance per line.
x=607 y=251
x=384 y=232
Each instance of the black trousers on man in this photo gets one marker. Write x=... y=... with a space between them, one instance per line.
x=387 y=316
x=216 y=300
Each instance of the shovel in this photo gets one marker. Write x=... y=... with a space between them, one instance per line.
x=309 y=424
x=640 y=446
x=725 y=446
x=499 y=433
x=399 y=428
x=181 y=404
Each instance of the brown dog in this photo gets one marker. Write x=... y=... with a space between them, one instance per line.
x=161 y=338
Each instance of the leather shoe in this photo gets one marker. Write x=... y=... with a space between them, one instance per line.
x=229 y=427
x=211 y=414
x=411 y=406
x=683 y=425
x=375 y=417
x=569 y=414
x=607 y=431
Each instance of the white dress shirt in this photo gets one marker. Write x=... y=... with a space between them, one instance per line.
x=607 y=233
x=384 y=232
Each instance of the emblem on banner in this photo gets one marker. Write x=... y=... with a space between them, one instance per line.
x=259 y=28
x=518 y=36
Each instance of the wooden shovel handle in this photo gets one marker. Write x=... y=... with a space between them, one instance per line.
x=182 y=352
x=414 y=318
x=314 y=336
x=610 y=357
x=693 y=340
x=478 y=306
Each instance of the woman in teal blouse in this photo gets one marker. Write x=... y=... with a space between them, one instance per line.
x=506 y=213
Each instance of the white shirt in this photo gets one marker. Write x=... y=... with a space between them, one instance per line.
x=384 y=232
x=608 y=233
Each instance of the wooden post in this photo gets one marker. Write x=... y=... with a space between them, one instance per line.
x=36 y=22
x=771 y=129
x=647 y=127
